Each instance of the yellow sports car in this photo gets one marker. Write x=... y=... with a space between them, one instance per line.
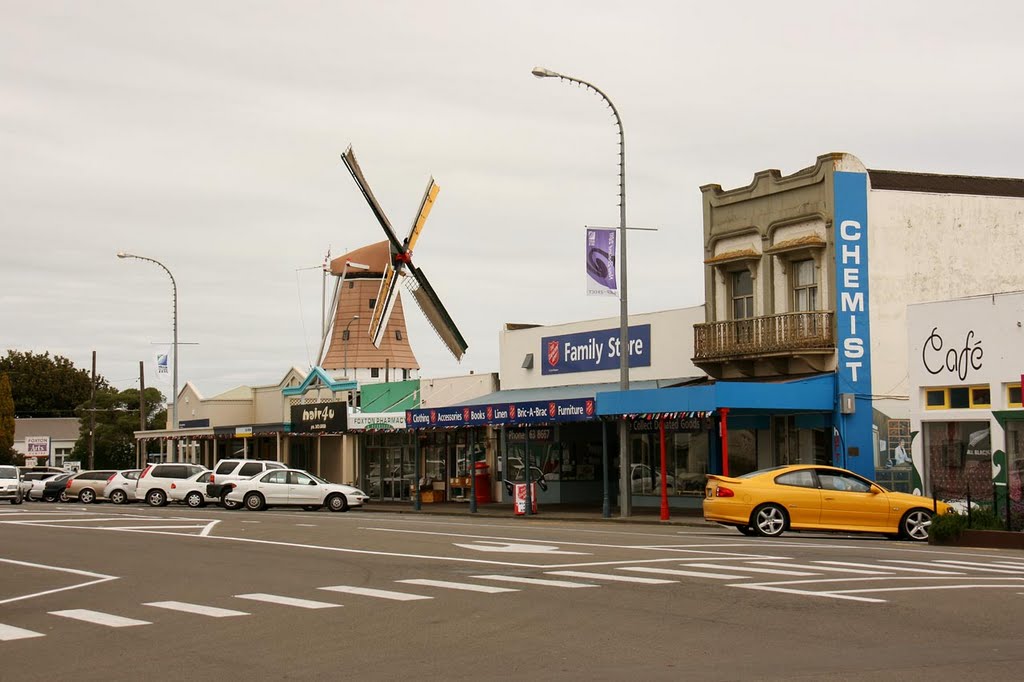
x=808 y=497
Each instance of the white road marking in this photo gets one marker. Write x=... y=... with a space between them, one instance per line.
x=690 y=574
x=829 y=569
x=288 y=601
x=974 y=566
x=615 y=578
x=733 y=557
x=534 y=581
x=807 y=593
x=208 y=528
x=889 y=568
x=457 y=586
x=100 y=618
x=750 y=569
x=381 y=594
x=197 y=609
x=925 y=587
x=515 y=548
x=99 y=578
x=306 y=525
x=9 y=633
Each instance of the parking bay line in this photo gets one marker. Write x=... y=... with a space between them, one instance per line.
x=288 y=601
x=615 y=578
x=9 y=633
x=198 y=609
x=381 y=594
x=100 y=618
x=468 y=587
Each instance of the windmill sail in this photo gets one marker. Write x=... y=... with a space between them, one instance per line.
x=436 y=314
x=349 y=158
x=421 y=215
x=386 y=296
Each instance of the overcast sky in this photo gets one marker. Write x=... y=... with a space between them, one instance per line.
x=208 y=135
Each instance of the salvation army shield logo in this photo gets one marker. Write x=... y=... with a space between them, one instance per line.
x=553 y=352
x=408 y=417
x=490 y=413
x=465 y=414
x=588 y=407
x=433 y=416
x=551 y=409
x=512 y=411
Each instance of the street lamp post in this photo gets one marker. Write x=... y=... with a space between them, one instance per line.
x=174 y=291
x=625 y=493
x=344 y=337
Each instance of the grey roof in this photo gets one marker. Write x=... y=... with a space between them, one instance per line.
x=57 y=428
x=519 y=395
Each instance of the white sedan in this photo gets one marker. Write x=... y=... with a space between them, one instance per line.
x=295 y=488
x=192 y=490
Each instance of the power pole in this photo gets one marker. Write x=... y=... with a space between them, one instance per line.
x=140 y=456
x=92 y=416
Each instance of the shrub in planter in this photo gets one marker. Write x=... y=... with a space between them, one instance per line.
x=947 y=527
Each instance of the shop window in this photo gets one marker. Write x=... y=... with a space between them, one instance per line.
x=935 y=399
x=981 y=396
x=958 y=458
x=1013 y=396
x=805 y=286
x=958 y=398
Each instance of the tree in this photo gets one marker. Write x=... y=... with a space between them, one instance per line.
x=117 y=420
x=45 y=386
x=7 y=454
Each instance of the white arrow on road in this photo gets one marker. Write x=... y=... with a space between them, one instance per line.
x=515 y=547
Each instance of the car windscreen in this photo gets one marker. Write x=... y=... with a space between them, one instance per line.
x=8 y=472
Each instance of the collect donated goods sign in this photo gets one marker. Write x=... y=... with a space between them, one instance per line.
x=592 y=351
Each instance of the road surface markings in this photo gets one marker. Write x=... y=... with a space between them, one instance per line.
x=100 y=618
x=975 y=566
x=925 y=587
x=515 y=548
x=851 y=594
x=306 y=525
x=807 y=593
x=889 y=568
x=829 y=569
x=750 y=569
x=208 y=528
x=197 y=609
x=9 y=633
x=99 y=578
x=381 y=594
x=457 y=586
x=732 y=557
x=288 y=601
x=689 y=574
x=534 y=581
x=616 y=578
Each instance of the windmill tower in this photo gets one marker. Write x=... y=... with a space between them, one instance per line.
x=357 y=298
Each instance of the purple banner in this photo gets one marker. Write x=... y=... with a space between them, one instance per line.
x=601 y=262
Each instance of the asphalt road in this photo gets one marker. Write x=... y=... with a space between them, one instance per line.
x=104 y=592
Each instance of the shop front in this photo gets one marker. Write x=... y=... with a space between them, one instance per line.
x=385 y=447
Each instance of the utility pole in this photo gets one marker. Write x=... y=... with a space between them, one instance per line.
x=92 y=416
x=140 y=455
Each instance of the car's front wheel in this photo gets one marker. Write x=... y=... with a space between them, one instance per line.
x=254 y=502
x=156 y=498
x=64 y=496
x=195 y=500
x=337 y=503
x=769 y=520
x=915 y=525
x=118 y=497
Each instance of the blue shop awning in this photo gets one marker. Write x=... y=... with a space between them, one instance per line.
x=812 y=394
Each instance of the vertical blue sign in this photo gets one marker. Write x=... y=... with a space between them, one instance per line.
x=853 y=323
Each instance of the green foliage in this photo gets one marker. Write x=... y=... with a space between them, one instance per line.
x=117 y=420
x=45 y=386
x=7 y=453
x=949 y=527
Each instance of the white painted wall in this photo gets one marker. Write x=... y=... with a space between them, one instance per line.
x=671 y=350
x=932 y=247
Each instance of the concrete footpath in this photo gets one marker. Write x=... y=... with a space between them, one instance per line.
x=549 y=512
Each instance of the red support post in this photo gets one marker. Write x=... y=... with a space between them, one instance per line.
x=724 y=433
x=664 y=474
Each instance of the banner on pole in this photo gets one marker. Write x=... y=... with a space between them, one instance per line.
x=163 y=365
x=601 y=277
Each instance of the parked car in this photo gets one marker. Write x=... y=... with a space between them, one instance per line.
x=32 y=483
x=807 y=497
x=229 y=471
x=10 y=484
x=295 y=488
x=155 y=481
x=55 y=488
x=87 y=486
x=192 y=491
x=121 y=488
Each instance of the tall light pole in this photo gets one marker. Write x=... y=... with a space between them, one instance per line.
x=625 y=493
x=344 y=337
x=174 y=292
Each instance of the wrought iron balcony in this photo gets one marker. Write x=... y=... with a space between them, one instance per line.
x=770 y=335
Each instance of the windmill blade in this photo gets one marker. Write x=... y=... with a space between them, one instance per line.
x=330 y=325
x=349 y=159
x=421 y=215
x=386 y=297
x=435 y=313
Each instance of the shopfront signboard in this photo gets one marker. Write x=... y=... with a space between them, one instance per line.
x=532 y=412
x=593 y=351
x=376 y=421
x=320 y=417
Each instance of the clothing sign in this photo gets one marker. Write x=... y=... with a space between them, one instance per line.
x=320 y=417
x=533 y=412
x=592 y=351
x=601 y=262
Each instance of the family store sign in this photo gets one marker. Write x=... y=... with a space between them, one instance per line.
x=592 y=351
x=533 y=412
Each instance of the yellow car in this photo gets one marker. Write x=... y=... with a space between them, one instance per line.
x=808 y=497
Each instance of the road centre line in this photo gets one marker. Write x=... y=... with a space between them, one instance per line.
x=891 y=568
x=100 y=618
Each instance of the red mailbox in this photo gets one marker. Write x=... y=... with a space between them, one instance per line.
x=483 y=483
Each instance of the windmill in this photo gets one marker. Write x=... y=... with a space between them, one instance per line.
x=400 y=264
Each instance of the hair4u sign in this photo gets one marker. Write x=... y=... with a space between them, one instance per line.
x=320 y=417
x=593 y=351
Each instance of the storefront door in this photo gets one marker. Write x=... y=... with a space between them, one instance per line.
x=399 y=474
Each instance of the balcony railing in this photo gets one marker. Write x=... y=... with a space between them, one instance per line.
x=786 y=333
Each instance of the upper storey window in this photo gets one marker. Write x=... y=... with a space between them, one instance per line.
x=742 y=295
x=805 y=286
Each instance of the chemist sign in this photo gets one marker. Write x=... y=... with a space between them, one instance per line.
x=592 y=351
